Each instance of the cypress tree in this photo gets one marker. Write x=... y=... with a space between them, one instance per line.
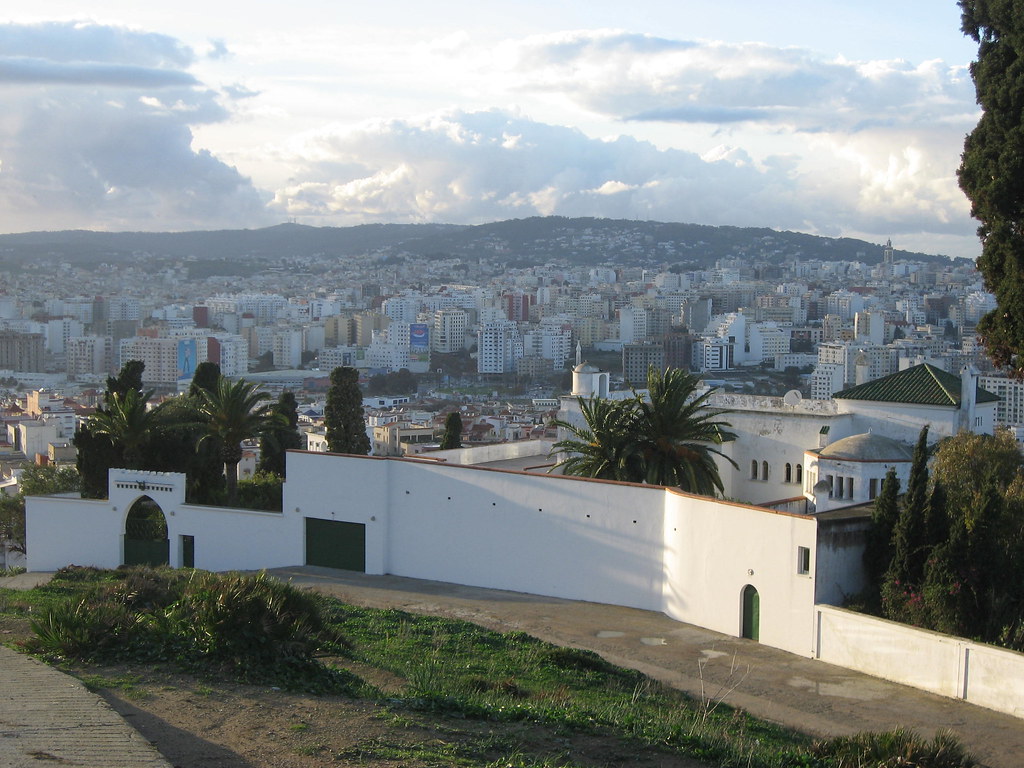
x=992 y=170
x=452 y=432
x=281 y=435
x=878 y=549
x=909 y=536
x=343 y=415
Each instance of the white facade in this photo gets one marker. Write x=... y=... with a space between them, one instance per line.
x=449 y=331
x=499 y=345
x=87 y=356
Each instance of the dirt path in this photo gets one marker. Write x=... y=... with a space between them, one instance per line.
x=808 y=695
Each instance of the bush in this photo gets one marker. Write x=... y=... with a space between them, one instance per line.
x=260 y=629
x=898 y=748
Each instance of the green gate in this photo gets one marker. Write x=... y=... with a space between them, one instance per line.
x=751 y=613
x=334 y=544
x=145 y=534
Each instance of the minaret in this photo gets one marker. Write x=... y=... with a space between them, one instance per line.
x=887 y=253
x=579 y=353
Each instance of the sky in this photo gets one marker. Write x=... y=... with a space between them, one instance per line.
x=833 y=117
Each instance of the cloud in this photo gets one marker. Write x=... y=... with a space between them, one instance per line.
x=481 y=166
x=96 y=131
x=645 y=78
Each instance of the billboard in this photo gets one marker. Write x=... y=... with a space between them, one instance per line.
x=187 y=351
x=419 y=342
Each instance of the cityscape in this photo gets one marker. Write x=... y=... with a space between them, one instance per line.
x=547 y=386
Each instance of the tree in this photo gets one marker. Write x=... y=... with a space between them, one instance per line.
x=991 y=173
x=676 y=432
x=343 y=415
x=605 y=447
x=452 y=432
x=206 y=376
x=878 y=549
x=909 y=536
x=96 y=453
x=233 y=413
x=666 y=440
x=130 y=424
x=281 y=434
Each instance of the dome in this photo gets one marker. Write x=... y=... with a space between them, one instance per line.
x=867 y=447
x=586 y=368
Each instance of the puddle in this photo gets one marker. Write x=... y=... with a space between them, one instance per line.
x=859 y=690
x=652 y=640
x=709 y=654
x=610 y=633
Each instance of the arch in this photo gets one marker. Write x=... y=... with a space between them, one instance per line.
x=789 y=472
x=764 y=470
x=145 y=534
x=753 y=469
x=799 y=473
x=750 y=611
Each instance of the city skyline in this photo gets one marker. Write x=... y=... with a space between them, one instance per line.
x=820 y=118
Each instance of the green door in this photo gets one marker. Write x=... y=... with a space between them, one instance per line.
x=145 y=534
x=751 y=612
x=334 y=544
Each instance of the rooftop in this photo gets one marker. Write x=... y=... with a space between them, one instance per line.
x=923 y=384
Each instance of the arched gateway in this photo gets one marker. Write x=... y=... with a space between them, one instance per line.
x=145 y=534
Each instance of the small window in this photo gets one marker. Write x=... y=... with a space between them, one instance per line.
x=849 y=487
x=799 y=473
x=789 y=472
x=872 y=487
x=764 y=470
x=831 y=485
x=753 y=470
x=803 y=560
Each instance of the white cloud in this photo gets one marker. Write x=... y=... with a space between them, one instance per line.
x=96 y=132
x=462 y=167
x=645 y=78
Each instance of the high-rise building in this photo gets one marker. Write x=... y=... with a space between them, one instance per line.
x=638 y=358
x=449 y=331
x=499 y=345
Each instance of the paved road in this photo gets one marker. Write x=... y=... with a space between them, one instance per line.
x=801 y=693
x=49 y=718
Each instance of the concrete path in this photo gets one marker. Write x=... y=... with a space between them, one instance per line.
x=49 y=718
x=801 y=693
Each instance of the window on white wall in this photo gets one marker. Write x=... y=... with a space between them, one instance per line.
x=803 y=560
x=764 y=470
x=753 y=470
x=789 y=472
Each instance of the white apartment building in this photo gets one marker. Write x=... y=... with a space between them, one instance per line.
x=449 y=330
x=286 y=346
x=87 y=356
x=499 y=345
x=230 y=351
x=846 y=304
x=59 y=331
x=168 y=361
x=1010 y=408
x=767 y=341
x=550 y=342
x=827 y=379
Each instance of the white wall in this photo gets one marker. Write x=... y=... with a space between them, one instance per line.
x=713 y=550
x=480 y=454
x=951 y=666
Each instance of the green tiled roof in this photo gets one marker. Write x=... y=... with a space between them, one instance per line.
x=921 y=385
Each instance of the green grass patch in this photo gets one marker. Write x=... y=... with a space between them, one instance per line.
x=449 y=671
x=126 y=684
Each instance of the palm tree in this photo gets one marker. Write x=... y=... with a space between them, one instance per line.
x=605 y=447
x=676 y=431
x=233 y=413
x=665 y=439
x=130 y=424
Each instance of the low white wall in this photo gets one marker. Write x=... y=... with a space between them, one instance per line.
x=480 y=454
x=950 y=666
x=63 y=531
x=234 y=539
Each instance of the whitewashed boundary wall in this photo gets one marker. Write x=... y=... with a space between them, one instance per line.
x=60 y=530
x=638 y=546
x=951 y=666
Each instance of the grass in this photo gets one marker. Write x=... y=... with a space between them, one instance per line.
x=448 y=672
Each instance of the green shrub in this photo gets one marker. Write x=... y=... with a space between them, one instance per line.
x=899 y=748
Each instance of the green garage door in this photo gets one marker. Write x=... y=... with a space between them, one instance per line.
x=335 y=545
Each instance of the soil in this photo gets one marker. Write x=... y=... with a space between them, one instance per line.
x=210 y=724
